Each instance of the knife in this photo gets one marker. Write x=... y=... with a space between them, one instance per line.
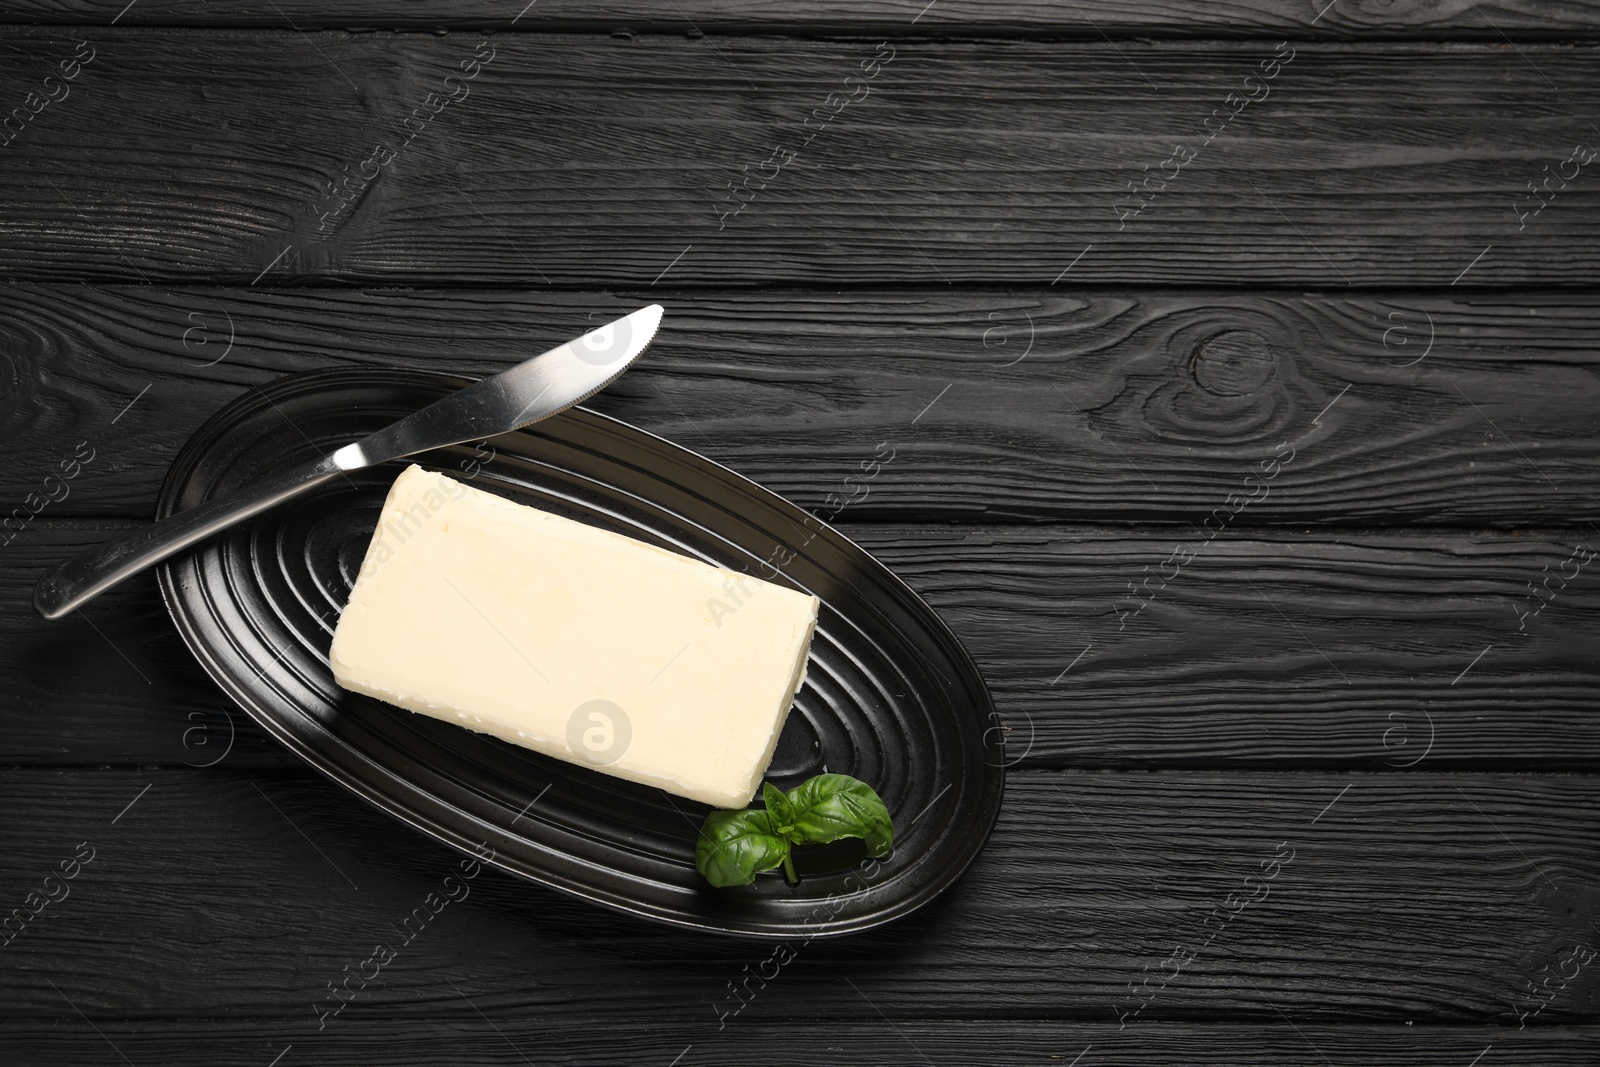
x=532 y=390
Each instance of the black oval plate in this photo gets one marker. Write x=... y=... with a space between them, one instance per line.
x=890 y=695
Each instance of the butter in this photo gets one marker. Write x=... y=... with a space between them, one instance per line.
x=573 y=641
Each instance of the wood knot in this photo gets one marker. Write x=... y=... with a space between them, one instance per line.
x=1233 y=363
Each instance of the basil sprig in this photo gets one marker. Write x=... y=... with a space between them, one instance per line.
x=735 y=846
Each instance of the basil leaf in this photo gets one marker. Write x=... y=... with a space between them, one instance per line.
x=734 y=846
x=779 y=808
x=831 y=806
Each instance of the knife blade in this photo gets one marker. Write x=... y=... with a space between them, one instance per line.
x=535 y=389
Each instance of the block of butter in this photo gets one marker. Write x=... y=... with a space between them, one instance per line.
x=573 y=641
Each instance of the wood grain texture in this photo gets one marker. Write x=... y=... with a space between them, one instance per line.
x=581 y=161
x=1361 y=650
x=267 y=887
x=867 y=1042
x=1488 y=20
x=1034 y=405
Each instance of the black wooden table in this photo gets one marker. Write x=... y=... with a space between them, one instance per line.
x=1238 y=364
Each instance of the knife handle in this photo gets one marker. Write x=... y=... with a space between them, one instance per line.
x=74 y=582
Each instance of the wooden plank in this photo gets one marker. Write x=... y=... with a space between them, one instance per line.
x=1395 y=898
x=562 y=1039
x=1490 y=20
x=1358 y=649
x=113 y=684
x=1032 y=404
x=1390 y=650
x=582 y=161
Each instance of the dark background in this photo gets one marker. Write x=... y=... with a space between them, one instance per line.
x=1348 y=270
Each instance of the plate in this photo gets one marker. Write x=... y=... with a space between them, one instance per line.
x=890 y=695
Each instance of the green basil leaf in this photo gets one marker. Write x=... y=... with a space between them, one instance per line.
x=831 y=806
x=735 y=846
x=779 y=808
